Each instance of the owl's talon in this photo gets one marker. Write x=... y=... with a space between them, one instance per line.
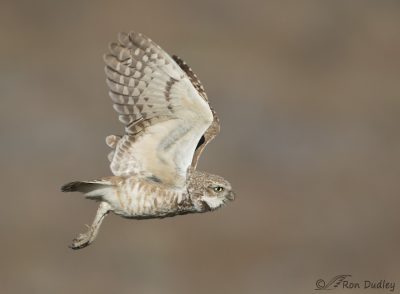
x=81 y=241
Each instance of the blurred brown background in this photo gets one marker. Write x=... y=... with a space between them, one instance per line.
x=308 y=94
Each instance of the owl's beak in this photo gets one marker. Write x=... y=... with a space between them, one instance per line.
x=231 y=196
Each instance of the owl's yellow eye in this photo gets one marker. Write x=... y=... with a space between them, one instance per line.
x=218 y=189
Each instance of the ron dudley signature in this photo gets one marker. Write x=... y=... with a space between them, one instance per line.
x=345 y=282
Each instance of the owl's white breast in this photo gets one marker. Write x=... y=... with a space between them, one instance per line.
x=142 y=198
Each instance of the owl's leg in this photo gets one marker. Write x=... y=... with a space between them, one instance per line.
x=84 y=240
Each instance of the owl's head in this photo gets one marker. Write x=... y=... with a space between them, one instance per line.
x=208 y=191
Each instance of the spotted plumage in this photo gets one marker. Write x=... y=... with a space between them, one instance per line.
x=168 y=122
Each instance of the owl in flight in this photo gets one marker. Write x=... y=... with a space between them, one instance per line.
x=168 y=122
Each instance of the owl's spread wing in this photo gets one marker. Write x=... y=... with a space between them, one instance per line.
x=214 y=128
x=163 y=113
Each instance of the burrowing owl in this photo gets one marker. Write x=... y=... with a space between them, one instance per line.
x=168 y=122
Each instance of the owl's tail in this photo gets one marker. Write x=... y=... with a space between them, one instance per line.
x=92 y=189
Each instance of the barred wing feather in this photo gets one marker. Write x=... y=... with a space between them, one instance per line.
x=163 y=113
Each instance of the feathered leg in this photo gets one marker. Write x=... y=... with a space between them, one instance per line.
x=86 y=239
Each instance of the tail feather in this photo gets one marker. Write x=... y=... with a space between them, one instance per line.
x=72 y=186
x=92 y=190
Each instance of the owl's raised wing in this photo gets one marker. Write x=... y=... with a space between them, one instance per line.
x=163 y=113
x=214 y=128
